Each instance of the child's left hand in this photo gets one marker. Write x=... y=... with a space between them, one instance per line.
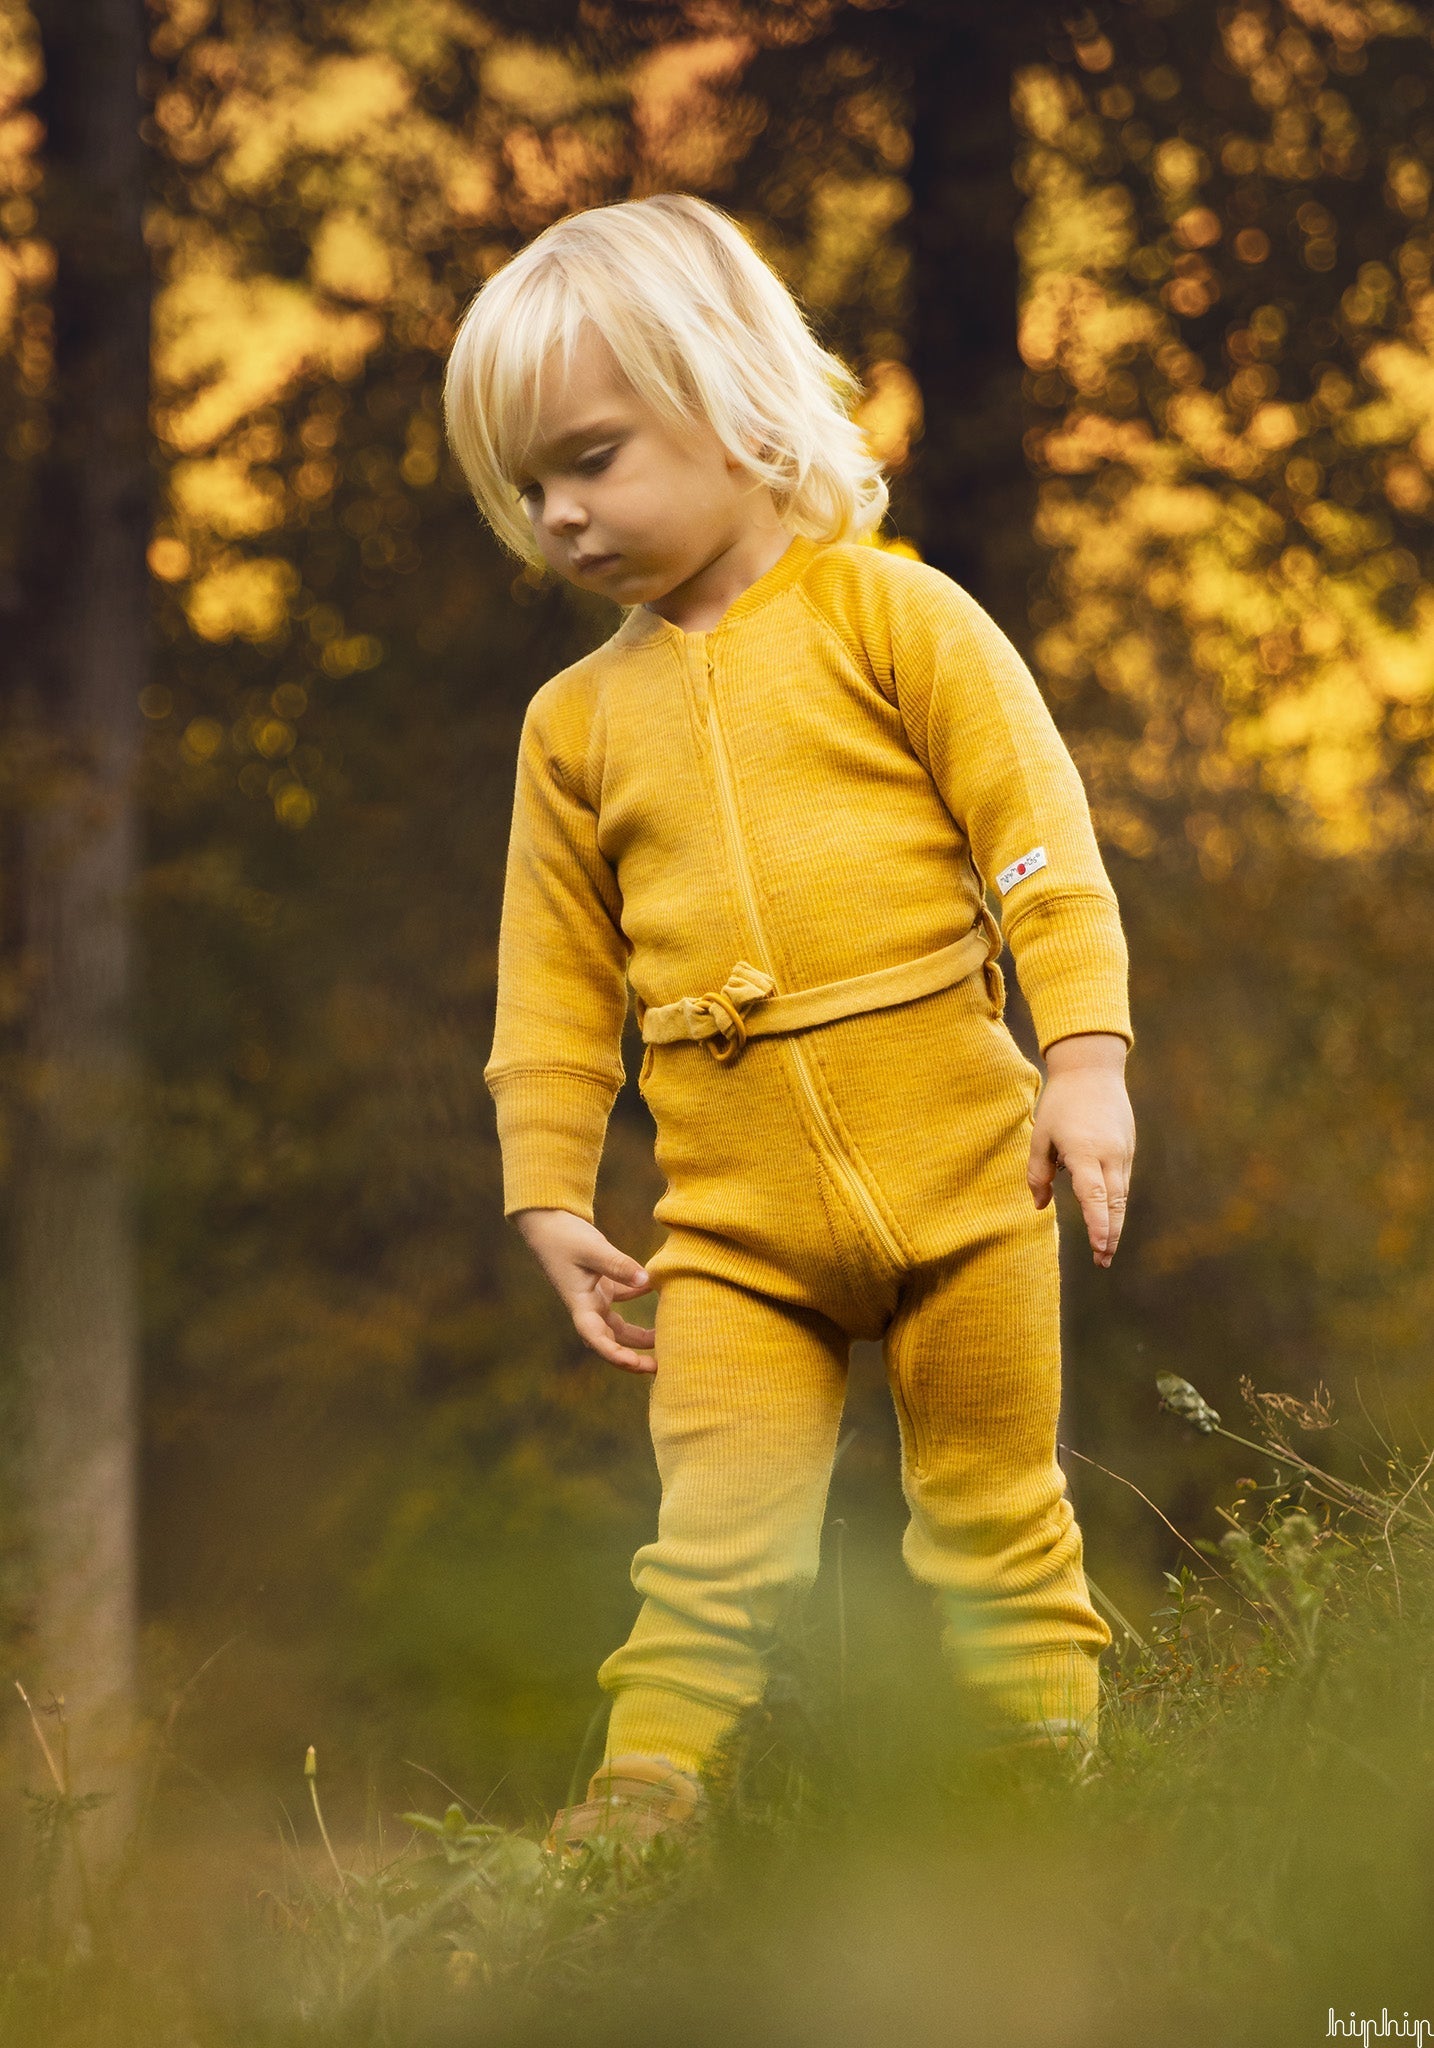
x=1084 y=1122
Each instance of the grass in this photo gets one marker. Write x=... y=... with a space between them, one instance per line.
x=1252 y=1853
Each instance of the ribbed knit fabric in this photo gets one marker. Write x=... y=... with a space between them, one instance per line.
x=746 y=1407
x=753 y=1329
x=886 y=754
x=819 y=787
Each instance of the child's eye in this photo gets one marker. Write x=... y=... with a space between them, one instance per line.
x=590 y=465
x=526 y=491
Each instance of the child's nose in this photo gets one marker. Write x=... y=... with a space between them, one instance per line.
x=563 y=514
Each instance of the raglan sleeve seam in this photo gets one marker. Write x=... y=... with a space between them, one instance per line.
x=955 y=644
x=1003 y=767
x=854 y=649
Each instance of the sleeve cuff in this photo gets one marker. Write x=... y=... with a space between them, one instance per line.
x=551 y=1127
x=1071 y=959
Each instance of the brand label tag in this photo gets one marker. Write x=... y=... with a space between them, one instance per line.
x=1019 y=869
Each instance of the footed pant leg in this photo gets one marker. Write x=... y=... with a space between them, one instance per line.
x=746 y=1403
x=973 y=1361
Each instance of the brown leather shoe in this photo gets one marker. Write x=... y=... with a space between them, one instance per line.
x=632 y=1800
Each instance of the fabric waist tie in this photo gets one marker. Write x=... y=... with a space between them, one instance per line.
x=747 y=1004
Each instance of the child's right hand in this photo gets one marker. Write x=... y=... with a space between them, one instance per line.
x=590 y=1275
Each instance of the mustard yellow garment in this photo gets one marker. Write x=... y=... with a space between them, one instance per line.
x=819 y=787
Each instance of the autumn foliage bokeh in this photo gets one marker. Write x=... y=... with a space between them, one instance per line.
x=376 y=1459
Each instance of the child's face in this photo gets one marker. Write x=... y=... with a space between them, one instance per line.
x=619 y=500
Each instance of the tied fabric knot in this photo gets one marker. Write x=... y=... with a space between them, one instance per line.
x=719 y=1016
x=990 y=967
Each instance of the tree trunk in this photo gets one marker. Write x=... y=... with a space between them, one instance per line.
x=83 y=659
x=971 y=497
x=970 y=500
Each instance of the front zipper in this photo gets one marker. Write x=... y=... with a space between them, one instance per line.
x=837 y=1157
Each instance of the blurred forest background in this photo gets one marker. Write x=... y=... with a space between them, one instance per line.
x=1144 y=300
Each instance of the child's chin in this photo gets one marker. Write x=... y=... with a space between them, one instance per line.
x=631 y=586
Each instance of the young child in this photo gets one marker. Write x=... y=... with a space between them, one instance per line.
x=772 y=802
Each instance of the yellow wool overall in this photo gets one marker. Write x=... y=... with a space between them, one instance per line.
x=738 y=826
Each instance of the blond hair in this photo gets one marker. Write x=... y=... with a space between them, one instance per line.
x=701 y=327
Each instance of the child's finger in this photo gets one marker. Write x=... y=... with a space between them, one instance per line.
x=617 y=1266
x=625 y=1291
x=1041 y=1169
x=1089 y=1184
x=591 y=1327
x=1116 y=1202
x=639 y=1334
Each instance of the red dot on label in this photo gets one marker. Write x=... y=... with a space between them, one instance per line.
x=1021 y=869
